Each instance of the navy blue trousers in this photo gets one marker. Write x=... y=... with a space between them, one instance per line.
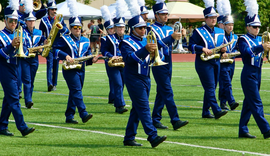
x=29 y=70
x=52 y=69
x=252 y=104
x=19 y=73
x=111 y=93
x=225 y=85
x=11 y=102
x=75 y=79
x=139 y=93
x=208 y=72
x=162 y=75
x=116 y=74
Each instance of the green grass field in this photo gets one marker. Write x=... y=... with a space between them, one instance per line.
x=103 y=134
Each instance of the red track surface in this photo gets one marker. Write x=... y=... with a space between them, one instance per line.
x=175 y=58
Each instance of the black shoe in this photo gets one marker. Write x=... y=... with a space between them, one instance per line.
x=20 y=95
x=121 y=110
x=86 y=118
x=6 y=133
x=208 y=116
x=50 y=88
x=220 y=114
x=266 y=135
x=234 y=105
x=72 y=121
x=131 y=143
x=27 y=131
x=179 y=124
x=158 y=140
x=246 y=135
x=29 y=105
x=224 y=106
x=160 y=126
x=54 y=88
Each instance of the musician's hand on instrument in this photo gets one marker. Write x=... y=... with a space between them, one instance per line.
x=151 y=47
x=223 y=50
x=115 y=57
x=40 y=50
x=69 y=59
x=266 y=46
x=184 y=32
x=95 y=59
x=207 y=51
x=224 y=55
x=46 y=42
x=15 y=42
x=176 y=35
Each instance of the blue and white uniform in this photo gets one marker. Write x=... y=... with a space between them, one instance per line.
x=52 y=63
x=116 y=73
x=138 y=83
x=163 y=74
x=30 y=65
x=208 y=71
x=226 y=73
x=75 y=48
x=252 y=56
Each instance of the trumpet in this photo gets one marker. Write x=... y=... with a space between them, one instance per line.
x=151 y=38
x=177 y=44
x=265 y=39
x=19 y=33
x=37 y=5
x=229 y=58
x=215 y=50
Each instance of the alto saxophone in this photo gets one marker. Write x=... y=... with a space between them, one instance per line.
x=214 y=51
x=229 y=58
x=47 y=47
x=116 y=62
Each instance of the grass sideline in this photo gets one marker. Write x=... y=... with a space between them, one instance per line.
x=88 y=139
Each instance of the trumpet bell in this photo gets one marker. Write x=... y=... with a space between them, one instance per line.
x=37 y=5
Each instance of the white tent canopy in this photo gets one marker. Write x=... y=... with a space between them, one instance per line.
x=127 y=14
x=84 y=11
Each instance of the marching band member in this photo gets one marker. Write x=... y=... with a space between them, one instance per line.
x=8 y=73
x=113 y=52
x=109 y=26
x=135 y=51
x=203 y=40
x=163 y=74
x=221 y=14
x=29 y=66
x=144 y=14
x=46 y=26
x=67 y=48
x=226 y=68
x=252 y=50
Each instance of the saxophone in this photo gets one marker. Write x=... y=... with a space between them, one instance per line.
x=229 y=58
x=116 y=62
x=265 y=39
x=215 y=50
x=47 y=47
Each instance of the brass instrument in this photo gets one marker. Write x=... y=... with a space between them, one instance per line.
x=229 y=58
x=76 y=64
x=0 y=7
x=116 y=62
x=19 y=33
x=37 y=5
x=177 y=44
x=265 y=39
x=214 y=51
x=151 y=38
x=55 y=28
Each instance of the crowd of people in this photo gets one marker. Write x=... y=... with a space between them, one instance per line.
x=128 y=60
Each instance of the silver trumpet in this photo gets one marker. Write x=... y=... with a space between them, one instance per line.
x=177 y=44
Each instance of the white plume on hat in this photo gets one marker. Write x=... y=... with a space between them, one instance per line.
x=73 y=9
x=160 y=1
x=105 y=13
x=219 y=7
x=28 y=5
x=14 y=4
x=134 y=7
x=121 y=8
x=141 y=2
x=209 y=3
x=251 y=7
x=226 y=5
